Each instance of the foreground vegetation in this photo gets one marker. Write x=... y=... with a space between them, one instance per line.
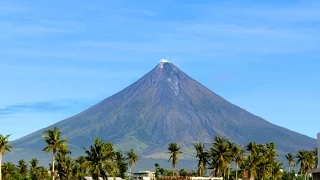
x=222 y=159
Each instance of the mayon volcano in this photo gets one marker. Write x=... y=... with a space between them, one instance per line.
x=166 y=105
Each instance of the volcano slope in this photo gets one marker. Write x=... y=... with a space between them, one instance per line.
x=163 y=106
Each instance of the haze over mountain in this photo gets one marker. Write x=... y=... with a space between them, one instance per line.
x=163 y=106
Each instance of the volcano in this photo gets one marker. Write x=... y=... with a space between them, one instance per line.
x=166 y=105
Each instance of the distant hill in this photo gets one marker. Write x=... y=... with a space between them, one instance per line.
x=165 y=105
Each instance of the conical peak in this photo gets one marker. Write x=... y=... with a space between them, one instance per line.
x=162 y=62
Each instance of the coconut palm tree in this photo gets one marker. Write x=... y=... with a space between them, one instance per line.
x=42 y=173
x=267 y=159
x=221 y=153
x=315 y=154
x=202 y=158
x=132 y=158
x=276 y=172
x=4 y=147
x=123 y=166
x=291 y=161
x=34 y=168
x=252 y=160
x=64 y=165
x=8 y=170
x=306 y=160
x=174 y=151
x=99 y=160
x=238 y=156
x=250 y=165
x=78 y=170
x=23 y=168
x=54 y=144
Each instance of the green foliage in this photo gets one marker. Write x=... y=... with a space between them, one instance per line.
x=174 y=151
x=55 y=144
x=132 y=158
x=220 y=156
x=183 y=172
x=202 y=156
x=259 y=161
x=122 y=165
x=100 y=160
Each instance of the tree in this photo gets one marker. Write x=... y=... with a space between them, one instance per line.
x=23 y=168
x=99 y=160
x=315 y=154
x=123 y=166
x=42 y=173
x=34 y=169
x=291 y=161
x=238 y=154
x=8 y=170
x=4 y=147
x=132 y=158
x=306 y=160
x=276 y=171
x=54 y=144
x=174 y=151
x=64 y=165
x=157 y=171
x=183 y=172
x=252 y=160
x=202 y=156
x=78 y=170
x=221 y=154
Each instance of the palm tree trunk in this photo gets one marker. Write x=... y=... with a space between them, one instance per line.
x=289 y=168
x=52 y=165
x=0 y=165
x=236 y=170
x=229 y=169
x=130 y=173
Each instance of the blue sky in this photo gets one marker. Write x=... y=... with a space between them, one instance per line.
x=60 y=57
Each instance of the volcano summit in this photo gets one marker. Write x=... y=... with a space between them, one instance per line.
x=163 y=106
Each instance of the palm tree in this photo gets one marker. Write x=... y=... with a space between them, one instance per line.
x=78 y=170
x=4 y=147
x=267 y=159
x=250 y=165
x=42 y=173
x=252 y=160
x=315 y=154
x=23 y=168
x=64 y=165
x=202 y=156
x=8 y=170
x=132 y=158
x=55 y=144
x=34 y=168
x=276 y=171
x=238 y=154
x=306 y=160
x=123 y=166
x=221 y=153
x=174 y=150
x=291 y=161
x=99 y=160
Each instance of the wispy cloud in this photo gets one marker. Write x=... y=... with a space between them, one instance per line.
x=7 y=9
x=9 y=29
x=43 y=107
